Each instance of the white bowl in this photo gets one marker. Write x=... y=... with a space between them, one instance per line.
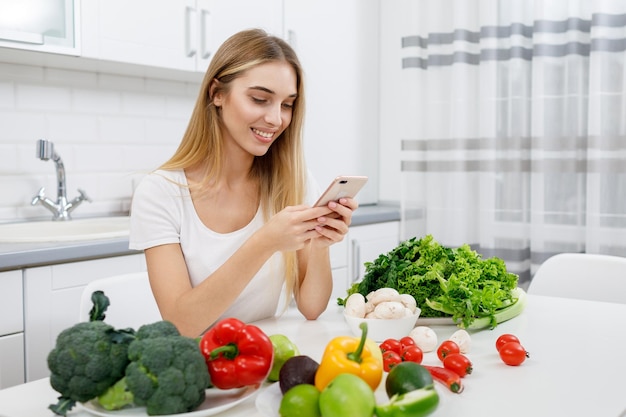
x=381 y=329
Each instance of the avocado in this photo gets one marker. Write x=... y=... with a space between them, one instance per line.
x=297 y=370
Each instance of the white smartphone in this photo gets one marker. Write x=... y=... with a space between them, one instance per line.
x=342 y=186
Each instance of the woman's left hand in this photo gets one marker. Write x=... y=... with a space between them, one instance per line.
x=334 y=226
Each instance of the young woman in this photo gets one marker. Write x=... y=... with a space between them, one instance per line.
x=226 y=223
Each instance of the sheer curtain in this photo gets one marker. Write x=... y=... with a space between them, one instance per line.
x=518 y=143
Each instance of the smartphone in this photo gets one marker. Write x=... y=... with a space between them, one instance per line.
x=342 y=186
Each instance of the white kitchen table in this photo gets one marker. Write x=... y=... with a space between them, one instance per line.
x=576 y=365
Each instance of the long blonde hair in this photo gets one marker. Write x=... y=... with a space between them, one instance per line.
x=281 y=171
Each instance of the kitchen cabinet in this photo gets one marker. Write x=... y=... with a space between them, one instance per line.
x=52 y=302
x=180 y=35
x=337 y=43
x=39 y=25
x=11 y=329
x=366 y=243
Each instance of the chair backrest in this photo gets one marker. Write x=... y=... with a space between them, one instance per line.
x=130 y=295
x=583 y=276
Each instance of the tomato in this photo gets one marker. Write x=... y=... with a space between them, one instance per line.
x=391 y=359
x=513 y=353
x=393 y=345
x=412 y=354
x=504 y=339
x=458 y=363
x=446 y=347
x=407 y=341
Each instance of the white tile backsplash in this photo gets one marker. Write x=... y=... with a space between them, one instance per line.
x=108 y=129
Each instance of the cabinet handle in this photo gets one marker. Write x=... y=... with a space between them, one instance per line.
x=191 y=33
x=205 y=26
x=356 y=260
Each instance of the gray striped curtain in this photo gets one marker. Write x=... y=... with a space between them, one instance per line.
x=514 y=134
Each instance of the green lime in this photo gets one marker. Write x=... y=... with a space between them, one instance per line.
x=284 y=349
x=407 y=376
x=347 y=395
x=300 y=401
x=417 y=403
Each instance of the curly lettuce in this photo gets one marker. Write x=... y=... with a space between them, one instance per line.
x=445 y=282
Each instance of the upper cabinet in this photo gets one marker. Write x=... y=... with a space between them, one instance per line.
x=172 y=34
x=39 y=25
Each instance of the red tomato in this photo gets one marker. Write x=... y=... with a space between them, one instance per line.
x=504 y=339
x=390 y=359
x=458 y=363
x=407 y=341
x=393 y=345
x=446 y=347
x=412 y=354
x=513 y=353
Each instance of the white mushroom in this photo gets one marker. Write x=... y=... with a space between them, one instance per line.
x=355 y=305
x=409 y=302
x=424 y=337
x=383 y=294
x=369 y=307
x=371 y=315
x=463 y=339
x=389 y=310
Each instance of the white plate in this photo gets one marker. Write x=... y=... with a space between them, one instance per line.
x=216 y=401
x=434 y=321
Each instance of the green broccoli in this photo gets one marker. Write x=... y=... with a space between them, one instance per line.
x=88 y=358
x=167 y=373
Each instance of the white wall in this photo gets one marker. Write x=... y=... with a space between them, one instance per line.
x=107 y=129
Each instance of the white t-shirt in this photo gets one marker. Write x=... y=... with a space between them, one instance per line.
x=162 y=212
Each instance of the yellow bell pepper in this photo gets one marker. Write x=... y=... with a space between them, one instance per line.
x=345 y=354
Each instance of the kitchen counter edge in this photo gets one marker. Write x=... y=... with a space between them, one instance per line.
x=27 y=255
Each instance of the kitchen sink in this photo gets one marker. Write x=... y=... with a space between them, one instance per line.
x=64 y=231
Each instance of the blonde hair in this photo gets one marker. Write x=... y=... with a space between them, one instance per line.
x=281 y=171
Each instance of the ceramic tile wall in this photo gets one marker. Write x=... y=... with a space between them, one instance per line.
x=108 y=129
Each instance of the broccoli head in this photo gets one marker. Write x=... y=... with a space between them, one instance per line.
x=167 y=374
x=87 y=359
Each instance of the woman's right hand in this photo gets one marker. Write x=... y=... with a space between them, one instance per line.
x=292 y=227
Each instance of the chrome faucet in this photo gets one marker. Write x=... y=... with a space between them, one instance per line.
x=60 y=209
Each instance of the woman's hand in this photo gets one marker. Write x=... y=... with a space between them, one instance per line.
x=333 y=227
x=291 y=228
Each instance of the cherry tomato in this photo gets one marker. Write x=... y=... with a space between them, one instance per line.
x=407 y=341
x=458 y=363
x=412 y=354
x=391 y=359
x=393 y=345
x=446 y=347
x=513 y=353
x=504 y=339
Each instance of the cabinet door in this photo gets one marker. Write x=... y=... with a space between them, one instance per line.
x=52 y=302
x=366 y=243
x=157 y=33
x=219 y=19
x=11 y=302
x=337 y=43
x=11 y=360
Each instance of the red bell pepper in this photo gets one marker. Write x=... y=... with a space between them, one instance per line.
x=237 y=354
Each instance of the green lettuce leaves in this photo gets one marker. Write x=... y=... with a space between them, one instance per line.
x=445 y=282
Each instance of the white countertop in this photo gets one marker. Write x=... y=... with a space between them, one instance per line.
x=576 y=366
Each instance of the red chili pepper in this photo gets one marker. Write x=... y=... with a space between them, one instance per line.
x=237 y=354
x=390 y=359
x=447 y=377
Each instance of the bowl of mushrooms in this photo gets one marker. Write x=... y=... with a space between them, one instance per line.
x=388 y=314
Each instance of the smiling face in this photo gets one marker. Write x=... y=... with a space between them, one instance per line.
x=257 y=107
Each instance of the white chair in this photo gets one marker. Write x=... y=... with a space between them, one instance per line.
x=583 y=276
x=130 y=295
